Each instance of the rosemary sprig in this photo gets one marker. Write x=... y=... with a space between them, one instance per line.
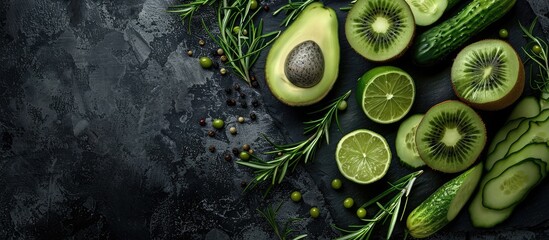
x=290 y=155
x=292 y=10
x=282 y=232
x=348 y=7
x=241 y=47
x=403 y=186
x=187 y=10
x=541 y=59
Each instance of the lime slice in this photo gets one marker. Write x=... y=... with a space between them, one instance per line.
x=386 y=94
x=363 y=156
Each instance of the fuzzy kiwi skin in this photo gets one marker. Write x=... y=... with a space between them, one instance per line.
x=503 y=102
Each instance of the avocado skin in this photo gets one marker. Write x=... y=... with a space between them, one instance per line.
x=316 y=23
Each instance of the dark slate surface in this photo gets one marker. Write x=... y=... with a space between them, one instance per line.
x=100 y=136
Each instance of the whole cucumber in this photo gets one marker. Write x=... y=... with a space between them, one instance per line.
x=436 y=43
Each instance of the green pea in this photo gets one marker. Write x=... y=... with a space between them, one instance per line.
x=336 y=183
x=218 y=123
x=361 y=212
x=315 y=212
x=342 y=105
x=295 y=196
x=244 y=155
x=348 y=202
x=536 y=49
x=205 y=62
x=236 y=29
x=503 y=33
x=253 y=4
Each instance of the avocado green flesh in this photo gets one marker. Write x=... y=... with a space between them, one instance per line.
x=318 y=24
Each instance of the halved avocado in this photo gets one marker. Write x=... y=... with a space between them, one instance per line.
x=303 y=62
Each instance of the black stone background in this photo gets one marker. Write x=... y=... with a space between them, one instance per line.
x=100 y=136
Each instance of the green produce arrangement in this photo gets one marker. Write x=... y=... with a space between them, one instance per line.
x=490 y=174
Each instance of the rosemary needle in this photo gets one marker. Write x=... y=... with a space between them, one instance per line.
x=292 y=10
x=392 y=208
x=290 y=155
x=282 y=232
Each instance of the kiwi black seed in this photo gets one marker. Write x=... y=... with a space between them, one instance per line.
x=450 y=137
x=488 y=75
x=380 y=30
x=304 y=65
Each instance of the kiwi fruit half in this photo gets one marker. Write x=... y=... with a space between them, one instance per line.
x=488 y=75
x=450 y=137
x=380 y=30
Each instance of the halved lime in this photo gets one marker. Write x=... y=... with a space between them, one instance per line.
x=363 y=156
x=386 y=94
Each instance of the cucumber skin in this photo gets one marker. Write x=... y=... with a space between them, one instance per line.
x=431 y=215
x=439 y=41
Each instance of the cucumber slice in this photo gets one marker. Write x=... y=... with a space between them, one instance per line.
x=537 y=132
x=502 y=148
x=444 y=204
x=526 y=108
x=532 y=150
x=483 y=217
x=513 y=184
x=405 y=143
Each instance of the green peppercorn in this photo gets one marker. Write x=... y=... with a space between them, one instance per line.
x=223 y=58
x=218 y=123
x=336 y=183
x=205 y=62
x=241 y=119
x=201 y=42
x=190 y=53
x=315 y=212
x=295 y=196
x=223 y=71
x=244 y=32
x=348 y=202
x=220 y=51
x=361 y=212
x=503 y=33
x=246 y=147
x=232 y=130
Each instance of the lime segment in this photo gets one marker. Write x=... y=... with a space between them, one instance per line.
x=386 y=94
x=363 y=156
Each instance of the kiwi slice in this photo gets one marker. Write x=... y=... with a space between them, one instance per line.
x=450 y=137
x=380 y=30
x=488 y=75
x=405 y=143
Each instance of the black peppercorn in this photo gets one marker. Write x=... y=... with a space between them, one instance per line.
x=227 y=156
x=231 y=102
x=266 y=8
x=236 y=152
x=202 y=122
x=211 y=133
x=212 y=148
x=255 y=103
x=255 y=84
x=243 y=184
x=228 y=90
x=243 y=104
x=253 y=116
x=246 y=147
x=242 y=95
x=237 y=87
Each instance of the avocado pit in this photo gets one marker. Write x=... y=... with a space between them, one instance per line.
x=304 y=66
